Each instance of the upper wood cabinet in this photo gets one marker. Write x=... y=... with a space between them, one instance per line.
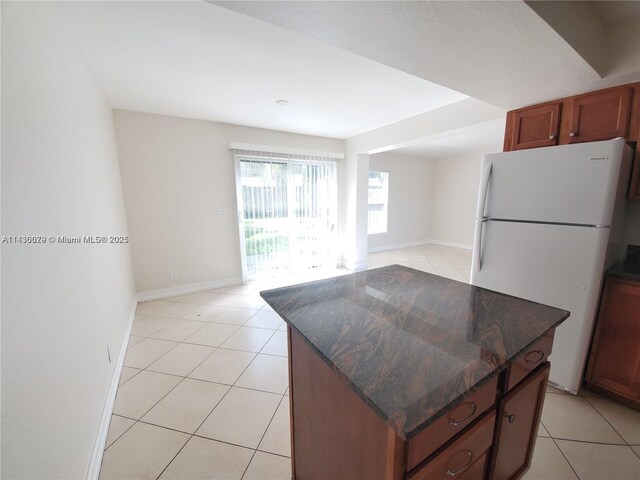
x=600 y=115
x=533 y=127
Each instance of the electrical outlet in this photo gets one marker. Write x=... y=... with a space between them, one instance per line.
x=221 y=212
x=109 y=352
x=173 y=276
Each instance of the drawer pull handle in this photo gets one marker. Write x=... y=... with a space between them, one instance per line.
x=451 y=473
x=474 y=408
x=511 y=417
x=534 y=354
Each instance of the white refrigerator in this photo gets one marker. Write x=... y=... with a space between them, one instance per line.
x=549 y=222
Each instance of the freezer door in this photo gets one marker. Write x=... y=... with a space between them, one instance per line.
x=565 y=184
x=555 y=265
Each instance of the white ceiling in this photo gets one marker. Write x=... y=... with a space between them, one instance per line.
x=501 y=52
x=347 y=67
x=197 y=60
x=484 y=137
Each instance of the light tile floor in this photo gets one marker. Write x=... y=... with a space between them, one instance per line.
x=203 y=393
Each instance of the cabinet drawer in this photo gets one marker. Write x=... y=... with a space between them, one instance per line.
x=463 y=457
x=450 y=424
x=535 y=355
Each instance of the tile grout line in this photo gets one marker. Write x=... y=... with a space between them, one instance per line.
x=146 y=369
x=191 y=435
x=184 y=340
x=590 y=442
x=165 y=395
x=209 y=414
x=118 y=437
x=205 y=418
x=146 y=422
x=608 y=423
x=555 y=439
x=564 y=456
x=262 y=437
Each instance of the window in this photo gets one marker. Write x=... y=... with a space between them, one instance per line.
x=378 y=201
x=288 y=207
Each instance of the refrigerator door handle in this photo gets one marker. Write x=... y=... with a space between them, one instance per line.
x=484 y=190
x=477 y=243
x=480 y=217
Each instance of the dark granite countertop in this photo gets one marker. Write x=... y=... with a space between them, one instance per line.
x=622 y=270
x=629 y=268
x=409 y=343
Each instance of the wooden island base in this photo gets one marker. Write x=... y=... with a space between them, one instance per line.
x=489 y=434
x=395 y=373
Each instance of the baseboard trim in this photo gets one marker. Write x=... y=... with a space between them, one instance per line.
x=396 y=246
x=185 y=289
x=93 y=471
x=417 y=243
x=466 y=246
x=354 y=267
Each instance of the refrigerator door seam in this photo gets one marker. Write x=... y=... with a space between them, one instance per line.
x=537 y=222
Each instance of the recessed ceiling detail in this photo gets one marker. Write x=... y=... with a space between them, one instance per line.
x=500 y=52
x=197 y=60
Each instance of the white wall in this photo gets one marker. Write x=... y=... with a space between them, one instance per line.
x=429 y=125
x=455 y=193
x=61 y=304
x=175 y=173
x=410 y=197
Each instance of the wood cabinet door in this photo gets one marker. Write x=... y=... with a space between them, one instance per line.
x=614 y=362
x=533 y=127
x=517 y=426
x=634 y=188
x=599 y=116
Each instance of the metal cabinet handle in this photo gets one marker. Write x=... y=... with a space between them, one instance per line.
x=511 y=417
x=552 y=137
x=572 y=134
x=528 y=359
x=474 y=408
x=451 y=473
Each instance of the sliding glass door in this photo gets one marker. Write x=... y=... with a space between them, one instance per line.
x=288 y=212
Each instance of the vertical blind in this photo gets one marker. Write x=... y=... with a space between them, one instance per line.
x=288 y=211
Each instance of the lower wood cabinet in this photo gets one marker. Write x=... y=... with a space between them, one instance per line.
x=517 y=426
x=614 y=361
x=465 y=457
x=490 y=434
x=451 y=424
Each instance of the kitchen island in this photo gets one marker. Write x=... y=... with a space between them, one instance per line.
x=397 y=373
